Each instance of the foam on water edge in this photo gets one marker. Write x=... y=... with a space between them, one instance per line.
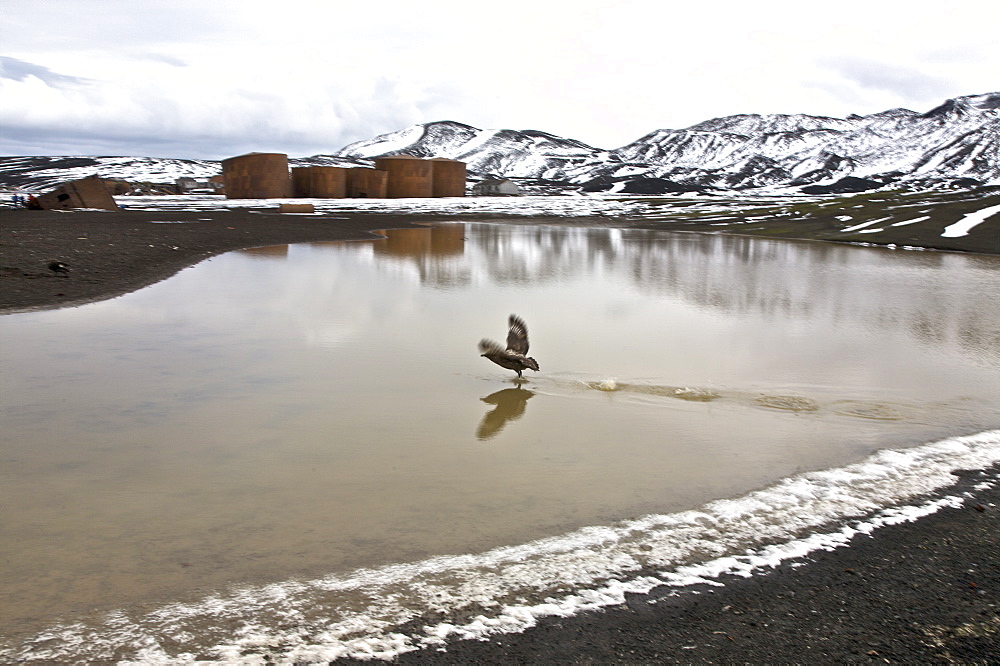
x=382 y=612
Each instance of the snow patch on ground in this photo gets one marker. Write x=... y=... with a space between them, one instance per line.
x=969 y=221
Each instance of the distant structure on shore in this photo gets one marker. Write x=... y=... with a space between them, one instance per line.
x=189 y=185
x=496 y=187
x=266 y=176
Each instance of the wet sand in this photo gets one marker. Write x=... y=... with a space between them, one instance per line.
x=927 y=591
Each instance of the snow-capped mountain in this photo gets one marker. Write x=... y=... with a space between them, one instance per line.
x=957 y=140
x=956 y=143
x=510 y=153
x=952 y=141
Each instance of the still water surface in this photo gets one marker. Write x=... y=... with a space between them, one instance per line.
x=300 y=410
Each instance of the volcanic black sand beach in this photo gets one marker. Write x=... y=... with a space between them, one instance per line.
x=927 y=591
x=112 y=253
x=108 y=254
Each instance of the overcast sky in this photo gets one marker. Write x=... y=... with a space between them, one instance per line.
x=217 y=78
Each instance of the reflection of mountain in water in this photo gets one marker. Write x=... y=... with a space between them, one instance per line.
x=509 y=405
x=785 y=280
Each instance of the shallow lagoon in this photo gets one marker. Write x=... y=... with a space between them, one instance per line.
x=292 y=412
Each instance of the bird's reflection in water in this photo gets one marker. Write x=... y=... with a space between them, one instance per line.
x=508 y=406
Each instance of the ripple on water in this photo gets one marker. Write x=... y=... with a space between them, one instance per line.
x=680 y=392
x=790 y=403
x=877 y=411
x=696 y=394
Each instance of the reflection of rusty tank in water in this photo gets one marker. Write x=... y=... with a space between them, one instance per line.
x=268 y=252
x=444 y=240
x=405 y=243
x=448 y=239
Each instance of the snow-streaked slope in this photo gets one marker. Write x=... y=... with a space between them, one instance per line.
x=41 y=173
x=956 y=142
x=511 y=153
x=46 y=172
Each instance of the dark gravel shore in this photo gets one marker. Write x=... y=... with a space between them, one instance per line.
x=922 y=592
x=927 y=591
x=109 y=254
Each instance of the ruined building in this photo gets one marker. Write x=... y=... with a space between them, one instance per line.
x=90 y=192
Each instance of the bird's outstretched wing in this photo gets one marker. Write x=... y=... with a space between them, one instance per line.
x=517 y=337
x=487 y=346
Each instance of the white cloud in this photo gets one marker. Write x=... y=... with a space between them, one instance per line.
x=219 y=78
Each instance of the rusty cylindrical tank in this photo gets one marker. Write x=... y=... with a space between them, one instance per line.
x=448 y=177
x=408 y=176
x=364 y=183
x=320 y=182
x=257 y=176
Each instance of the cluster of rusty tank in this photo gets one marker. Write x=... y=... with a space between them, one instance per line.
x=266 y=176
